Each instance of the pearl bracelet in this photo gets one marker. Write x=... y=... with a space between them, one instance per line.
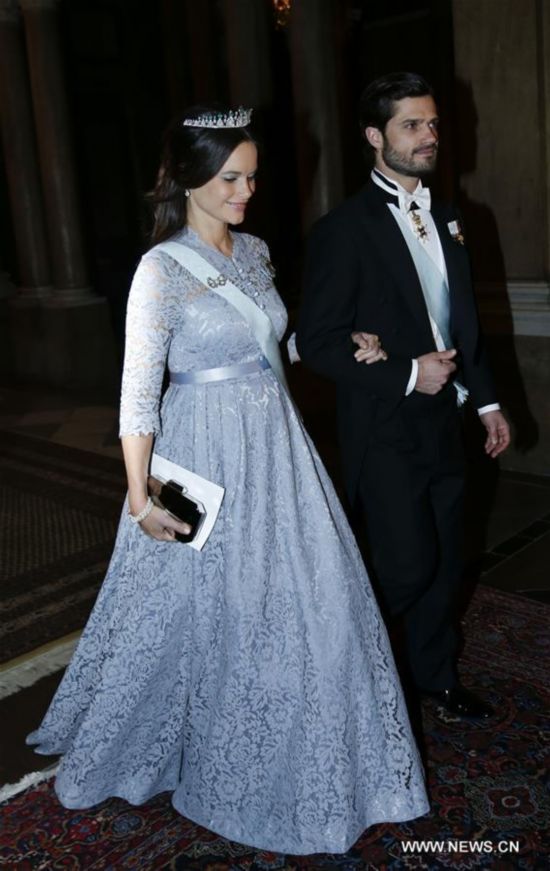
x=145 y=512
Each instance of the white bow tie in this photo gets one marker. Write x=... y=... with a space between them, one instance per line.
x=421 y=198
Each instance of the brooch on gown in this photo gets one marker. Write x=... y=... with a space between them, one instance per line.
x=217 y=282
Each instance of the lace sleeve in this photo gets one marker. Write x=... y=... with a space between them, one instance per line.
x=262 y=250
x=148 y=334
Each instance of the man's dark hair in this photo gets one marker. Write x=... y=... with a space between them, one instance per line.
x=376 y=105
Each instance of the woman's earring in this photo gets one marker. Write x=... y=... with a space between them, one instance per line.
x=187 y=192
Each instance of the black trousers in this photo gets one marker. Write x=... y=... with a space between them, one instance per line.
x=413 y=505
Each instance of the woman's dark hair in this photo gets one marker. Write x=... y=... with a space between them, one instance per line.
x=376 y=105
x=190 y=157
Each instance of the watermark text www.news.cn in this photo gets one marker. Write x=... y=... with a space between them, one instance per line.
x=459 y=846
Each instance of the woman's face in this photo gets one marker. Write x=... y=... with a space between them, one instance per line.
x=224 y=198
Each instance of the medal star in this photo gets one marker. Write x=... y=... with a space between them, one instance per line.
x=419 y=227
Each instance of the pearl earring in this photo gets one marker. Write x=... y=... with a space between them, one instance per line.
x=187 y=192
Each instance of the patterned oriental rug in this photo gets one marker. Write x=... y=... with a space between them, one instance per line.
x=490 y=805
x=59 y=508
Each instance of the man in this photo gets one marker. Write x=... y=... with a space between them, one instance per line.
x=389 y=262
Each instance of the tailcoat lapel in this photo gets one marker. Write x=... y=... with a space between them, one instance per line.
x=456 y=261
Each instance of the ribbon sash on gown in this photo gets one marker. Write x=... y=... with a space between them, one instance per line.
x=258 y=321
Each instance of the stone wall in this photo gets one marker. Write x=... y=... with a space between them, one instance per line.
x=502 y=67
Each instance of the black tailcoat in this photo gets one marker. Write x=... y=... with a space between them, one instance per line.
x=359 y=275
x=402 y=455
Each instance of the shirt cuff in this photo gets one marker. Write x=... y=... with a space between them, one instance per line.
x=486 y=408
x=293 y=354
x=411 y=384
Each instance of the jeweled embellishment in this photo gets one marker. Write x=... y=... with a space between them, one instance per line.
x=419 y=227
x=221 y=120
x=217 y=282
x=456 y=232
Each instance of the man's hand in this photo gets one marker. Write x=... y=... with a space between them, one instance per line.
x=498 y=432
x=434 y=370
x=370 y=349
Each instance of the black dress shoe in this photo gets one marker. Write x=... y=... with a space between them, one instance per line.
x=462 y=703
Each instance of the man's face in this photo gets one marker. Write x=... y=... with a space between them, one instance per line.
x=409 y=143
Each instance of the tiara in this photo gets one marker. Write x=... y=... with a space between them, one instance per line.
x=235 y=118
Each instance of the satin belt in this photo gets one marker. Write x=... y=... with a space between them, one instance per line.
x=222 y=373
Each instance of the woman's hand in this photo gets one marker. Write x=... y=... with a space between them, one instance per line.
x=158 y=524
x=370 y=350
x=162 y=527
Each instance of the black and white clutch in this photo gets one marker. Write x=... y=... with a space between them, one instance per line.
x=187 y=497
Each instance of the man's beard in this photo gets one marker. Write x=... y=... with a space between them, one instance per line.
x=405 y=165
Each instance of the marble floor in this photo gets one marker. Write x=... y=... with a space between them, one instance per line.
x=508 y=525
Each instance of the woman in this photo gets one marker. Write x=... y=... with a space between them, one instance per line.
x=254 y=679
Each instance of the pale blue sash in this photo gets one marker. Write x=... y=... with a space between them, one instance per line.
x=258 y=321
x=435 y=291
x=434 y=287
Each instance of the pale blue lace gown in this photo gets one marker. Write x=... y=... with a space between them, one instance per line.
x=252 y=680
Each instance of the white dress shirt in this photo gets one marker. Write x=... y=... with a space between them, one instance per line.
x=431 y=243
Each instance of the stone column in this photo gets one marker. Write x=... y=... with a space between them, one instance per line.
x=497 y=57
x=172 y=14
x=21 y=159
x=247 y=44
x=20 y=309
x=7 y=287
x=51 y=113
x=247 y=39
x=73 y=344
x=7 y=294
x=544 y=53
x=201 y=44
x=318 y=130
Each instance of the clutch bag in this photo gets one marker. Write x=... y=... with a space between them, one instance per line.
x=170 y=496
x=187 y=497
